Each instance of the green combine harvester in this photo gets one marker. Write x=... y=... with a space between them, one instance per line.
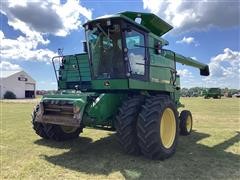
x=126 y=81
x=214 y=93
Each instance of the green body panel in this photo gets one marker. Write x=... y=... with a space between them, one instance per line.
x=150 y=21
x=151 y=86
x=103 y=110
x=161 y=69
x=111 y=84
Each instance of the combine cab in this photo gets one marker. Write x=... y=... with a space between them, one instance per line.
x=125 y=81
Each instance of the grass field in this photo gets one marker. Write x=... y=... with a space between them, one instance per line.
x=211 y=152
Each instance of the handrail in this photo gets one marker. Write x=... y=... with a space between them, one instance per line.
x=55 y=71
x=67 y=69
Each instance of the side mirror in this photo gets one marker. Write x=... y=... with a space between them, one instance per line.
x=85 y=46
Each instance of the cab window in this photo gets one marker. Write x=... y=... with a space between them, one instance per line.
x=136 y=52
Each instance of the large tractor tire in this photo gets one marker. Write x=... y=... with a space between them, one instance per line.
x=61 y=133
x=157 y=127
x=38 y=127
x=126 y=122
x=186 y=123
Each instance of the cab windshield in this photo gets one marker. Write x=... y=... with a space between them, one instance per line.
x=105 y=48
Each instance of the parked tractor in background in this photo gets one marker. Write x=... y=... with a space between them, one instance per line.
x=213 y=93
x=125 y=81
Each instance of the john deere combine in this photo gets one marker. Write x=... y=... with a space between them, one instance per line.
x=125 y=81
x=213 y=92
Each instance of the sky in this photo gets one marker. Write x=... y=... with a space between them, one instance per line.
x=208 y=31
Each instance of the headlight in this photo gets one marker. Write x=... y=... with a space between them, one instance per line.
x=76 y=109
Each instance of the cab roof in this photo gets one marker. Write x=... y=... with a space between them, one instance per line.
x=149 y=21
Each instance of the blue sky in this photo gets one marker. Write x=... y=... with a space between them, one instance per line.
x=32 y=31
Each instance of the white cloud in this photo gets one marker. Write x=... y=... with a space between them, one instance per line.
x=226 y=64
x=194 y=58
x=35 y=20
x=195 y=15
x=185 y=73
x=23 y=48
x=188 y=40
x=7 y=66
x=225 y=69
x=45 y=17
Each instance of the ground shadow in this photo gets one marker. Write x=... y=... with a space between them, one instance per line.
x=81 y=141
x=192 y=160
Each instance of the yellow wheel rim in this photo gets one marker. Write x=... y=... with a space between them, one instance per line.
x=68 y=129
x=168 y=128
x=189 y=123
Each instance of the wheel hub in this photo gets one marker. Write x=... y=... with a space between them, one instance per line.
x=68 y=129
x=189 y=123
x=168 y=128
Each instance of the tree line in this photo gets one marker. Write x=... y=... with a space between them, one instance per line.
x=199 y=91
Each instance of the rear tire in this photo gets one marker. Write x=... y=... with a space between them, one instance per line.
x=186 y=123
x=157 y=127
x=57 y=132
x=38 y=127
x=126 y=122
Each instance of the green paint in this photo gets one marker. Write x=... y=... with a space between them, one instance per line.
x=141 y=85
x=103 y=110
x=110 y=84
x=150 y=21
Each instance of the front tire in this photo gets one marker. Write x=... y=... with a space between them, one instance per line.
x=126 y=122
x=37 y=126
x=61 y=133
x=52 y=131
x=157 y=127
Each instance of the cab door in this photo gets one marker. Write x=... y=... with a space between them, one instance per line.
x=136 y=53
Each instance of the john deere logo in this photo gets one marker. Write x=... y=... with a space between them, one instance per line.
x=106 y=83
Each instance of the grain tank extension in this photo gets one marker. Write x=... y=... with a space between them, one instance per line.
x=126 y=81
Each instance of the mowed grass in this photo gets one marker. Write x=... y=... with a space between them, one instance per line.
x=212 y=151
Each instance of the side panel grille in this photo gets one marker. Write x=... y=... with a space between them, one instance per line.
x=58 y=108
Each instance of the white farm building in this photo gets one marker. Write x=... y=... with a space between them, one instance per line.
x=19 y=82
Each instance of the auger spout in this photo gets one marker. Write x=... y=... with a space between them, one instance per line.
x=204 y=69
